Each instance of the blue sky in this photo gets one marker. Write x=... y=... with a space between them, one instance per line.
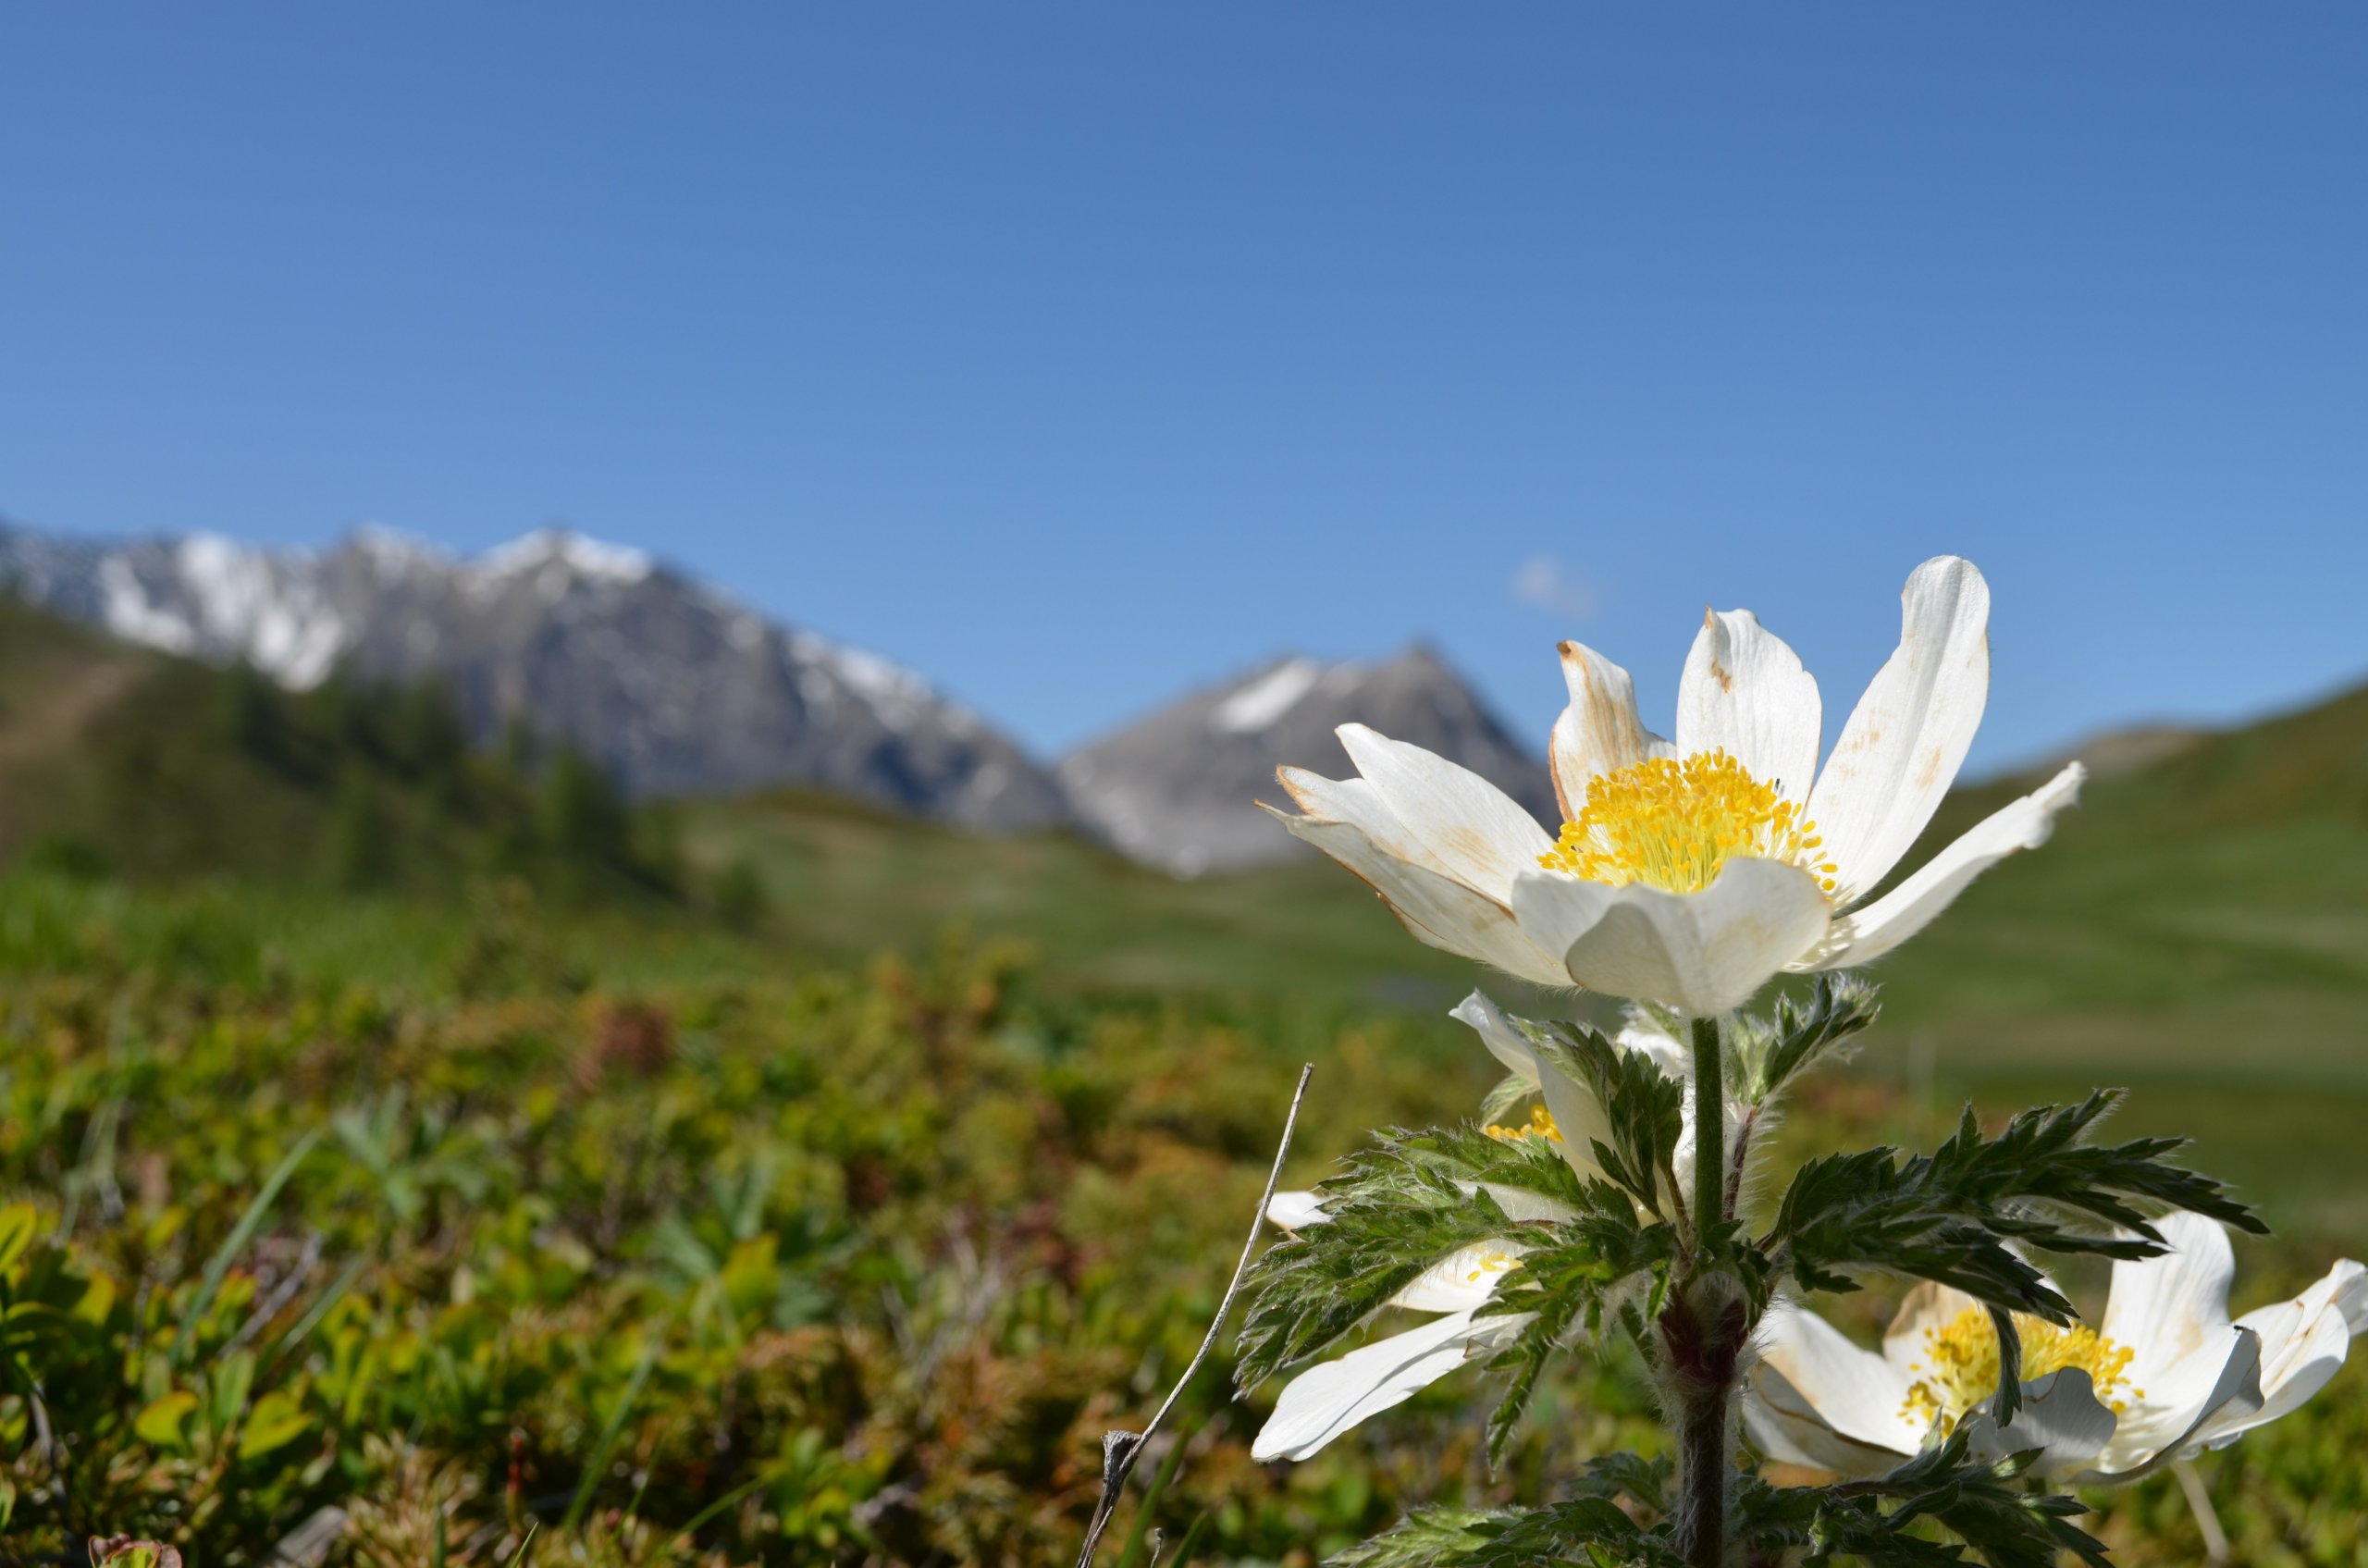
x=1075 y=356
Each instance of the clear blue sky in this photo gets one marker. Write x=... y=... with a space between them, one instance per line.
x=1075 y=356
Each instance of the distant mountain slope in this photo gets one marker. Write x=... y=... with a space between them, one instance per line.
x=1175 y=789
x=119 y=760
x=671 y=683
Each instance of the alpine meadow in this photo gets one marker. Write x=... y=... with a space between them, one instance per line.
x=417 y=1150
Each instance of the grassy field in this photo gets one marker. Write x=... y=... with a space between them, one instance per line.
x=835 y=1223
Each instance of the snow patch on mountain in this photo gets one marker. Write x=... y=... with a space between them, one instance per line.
x=270 y=608
x=1257 y=705
x=570 y=551
x=125 y=610
x=1176 y=787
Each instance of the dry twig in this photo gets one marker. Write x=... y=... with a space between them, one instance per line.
x=1120 y=1450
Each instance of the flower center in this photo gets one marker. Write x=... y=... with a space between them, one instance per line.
x=1495 y=1260
x=1540 y=1125
x=1960 y=1364
x=1673 y=824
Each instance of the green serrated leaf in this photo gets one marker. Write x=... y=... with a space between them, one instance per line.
x=1398 y=1207
x=1981 y=1504
x=1802 y=1034
x=1643 y=1105
x=1589 y=1530
x=1949 y=1215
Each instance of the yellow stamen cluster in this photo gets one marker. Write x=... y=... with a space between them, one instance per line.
x=1493 y=1261
x=1541 y=1125
x=1673 y=824
x=1960 y=1364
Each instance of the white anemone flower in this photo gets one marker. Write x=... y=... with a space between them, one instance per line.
x=1329 y=1398
x=1691 y=873
x=2165 y=1376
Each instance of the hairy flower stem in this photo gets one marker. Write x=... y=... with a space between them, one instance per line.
x=1709 y=1128
x=1703 y=1329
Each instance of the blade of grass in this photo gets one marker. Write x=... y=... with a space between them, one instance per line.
x=219 y=1264
x=609 y=1434
x=1183 y=1557
x=711 y=1510
x=318 y=1310
x=528 y=1544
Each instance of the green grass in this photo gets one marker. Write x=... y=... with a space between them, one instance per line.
x=843 y=882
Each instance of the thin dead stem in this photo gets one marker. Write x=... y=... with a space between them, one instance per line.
x=1121 y=1449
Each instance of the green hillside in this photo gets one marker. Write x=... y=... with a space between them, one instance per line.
x=840 y=881
x=119 y=760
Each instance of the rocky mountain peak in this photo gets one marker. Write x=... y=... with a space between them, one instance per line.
x=1177 y=788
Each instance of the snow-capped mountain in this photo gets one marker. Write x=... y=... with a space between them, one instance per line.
x=1175 y=789
x=676 y=687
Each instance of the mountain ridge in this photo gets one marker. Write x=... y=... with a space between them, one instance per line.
x=673 y=684
x=680 y=689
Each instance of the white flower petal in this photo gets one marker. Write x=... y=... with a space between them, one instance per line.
x=1745 y=692
x=1326 y=1401
x=2060 y=1418
x=1359 y=804
x=1296 y=1211
x=1642 y=1033
x=2143 y=1447
x=1438 y=909
x=1859 y=1394
x=1465 y=1279
x=1599 y=731
x=1904 y=741
x=2303 y=1343
x=1579 y=1116
x=1481 y=835
x=1497 y=1032
x=1702 y=953
x=1786 y=1427
x=2170 y=1306
x=1866 y=934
